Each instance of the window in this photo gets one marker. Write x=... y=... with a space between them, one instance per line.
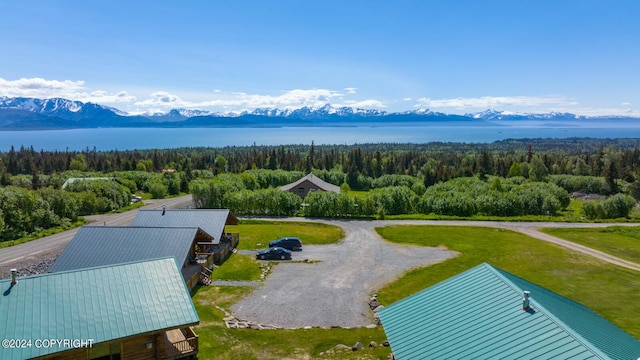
x=105 y=351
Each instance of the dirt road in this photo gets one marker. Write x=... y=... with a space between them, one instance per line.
x=334 y=291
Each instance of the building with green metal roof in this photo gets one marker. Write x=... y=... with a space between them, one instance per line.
x=139 y=310
x=482 y=314
x=95 y=246
x=211 y=221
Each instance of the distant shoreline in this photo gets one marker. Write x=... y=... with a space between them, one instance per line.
x=132 y=138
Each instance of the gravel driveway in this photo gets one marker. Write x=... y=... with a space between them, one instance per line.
x=335 y=290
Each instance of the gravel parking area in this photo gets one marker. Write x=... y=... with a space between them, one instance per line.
x=333 y=291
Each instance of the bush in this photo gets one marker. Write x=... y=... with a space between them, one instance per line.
x=616 y=206
x=584 y=184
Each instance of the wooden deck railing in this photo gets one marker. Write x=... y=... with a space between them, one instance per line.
x=183 y=348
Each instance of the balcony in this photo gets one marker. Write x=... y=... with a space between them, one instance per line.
x=181 y=343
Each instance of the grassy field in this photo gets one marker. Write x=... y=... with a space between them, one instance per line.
x=620 y=241
x=605 y=288
x=256 y=234
x=238 y=267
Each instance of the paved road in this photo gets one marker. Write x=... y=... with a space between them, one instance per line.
x=51 y=246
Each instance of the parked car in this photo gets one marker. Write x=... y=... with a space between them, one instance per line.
x=290 y=243
x=274 y=253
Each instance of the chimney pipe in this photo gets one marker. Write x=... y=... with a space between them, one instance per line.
x=13 y=276
x=525 y=301
x=164 y=208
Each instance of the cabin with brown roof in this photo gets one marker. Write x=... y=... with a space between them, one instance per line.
x=309 y=183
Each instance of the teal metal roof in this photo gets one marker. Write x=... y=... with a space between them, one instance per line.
x=103 y=304
x=212 y=221
x=478 y=314
x=105 y=245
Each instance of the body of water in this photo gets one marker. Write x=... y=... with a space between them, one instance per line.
x=150 y=138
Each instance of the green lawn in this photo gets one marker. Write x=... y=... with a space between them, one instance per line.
x=238 y=267
x=620 y=241
x=257 y=234
x=605 y=288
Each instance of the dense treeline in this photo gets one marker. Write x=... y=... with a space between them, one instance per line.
x=466 y=196
x=506 y=178
x=433 y=161
x=25 y=209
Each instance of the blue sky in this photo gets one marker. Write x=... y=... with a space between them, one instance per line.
x=580 y=56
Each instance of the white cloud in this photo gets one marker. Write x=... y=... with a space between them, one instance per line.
x=494 y=102
x=68 y=89
x=37 y=87
x=523 y=104
x=238 y=101
x=223 y=101
x=362 y=104
x=163 y=99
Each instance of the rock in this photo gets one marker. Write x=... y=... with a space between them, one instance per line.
x=357 y=346
x=373 y=345
x=373 y=302
x=385 y=343
x=342 y=347
x=378 y=308
x=371 y=326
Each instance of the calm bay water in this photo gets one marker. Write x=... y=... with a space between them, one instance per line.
x=148 y=138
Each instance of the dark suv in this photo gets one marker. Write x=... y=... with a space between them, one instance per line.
x=290 y=243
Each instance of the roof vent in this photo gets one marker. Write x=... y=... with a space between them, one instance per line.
x=164 y=209
x=525 y=300
x=13 y=276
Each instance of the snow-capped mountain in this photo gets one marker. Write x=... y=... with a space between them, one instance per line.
x=55 y=106
x=176 y=114
x=510 y=115
x=57 y=113
x=315 y=112
x=40 y=105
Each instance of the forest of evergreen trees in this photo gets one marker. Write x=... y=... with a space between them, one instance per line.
x=615 y=158
x=505 y=178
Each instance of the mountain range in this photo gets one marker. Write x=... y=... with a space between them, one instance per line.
x=56 y=113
